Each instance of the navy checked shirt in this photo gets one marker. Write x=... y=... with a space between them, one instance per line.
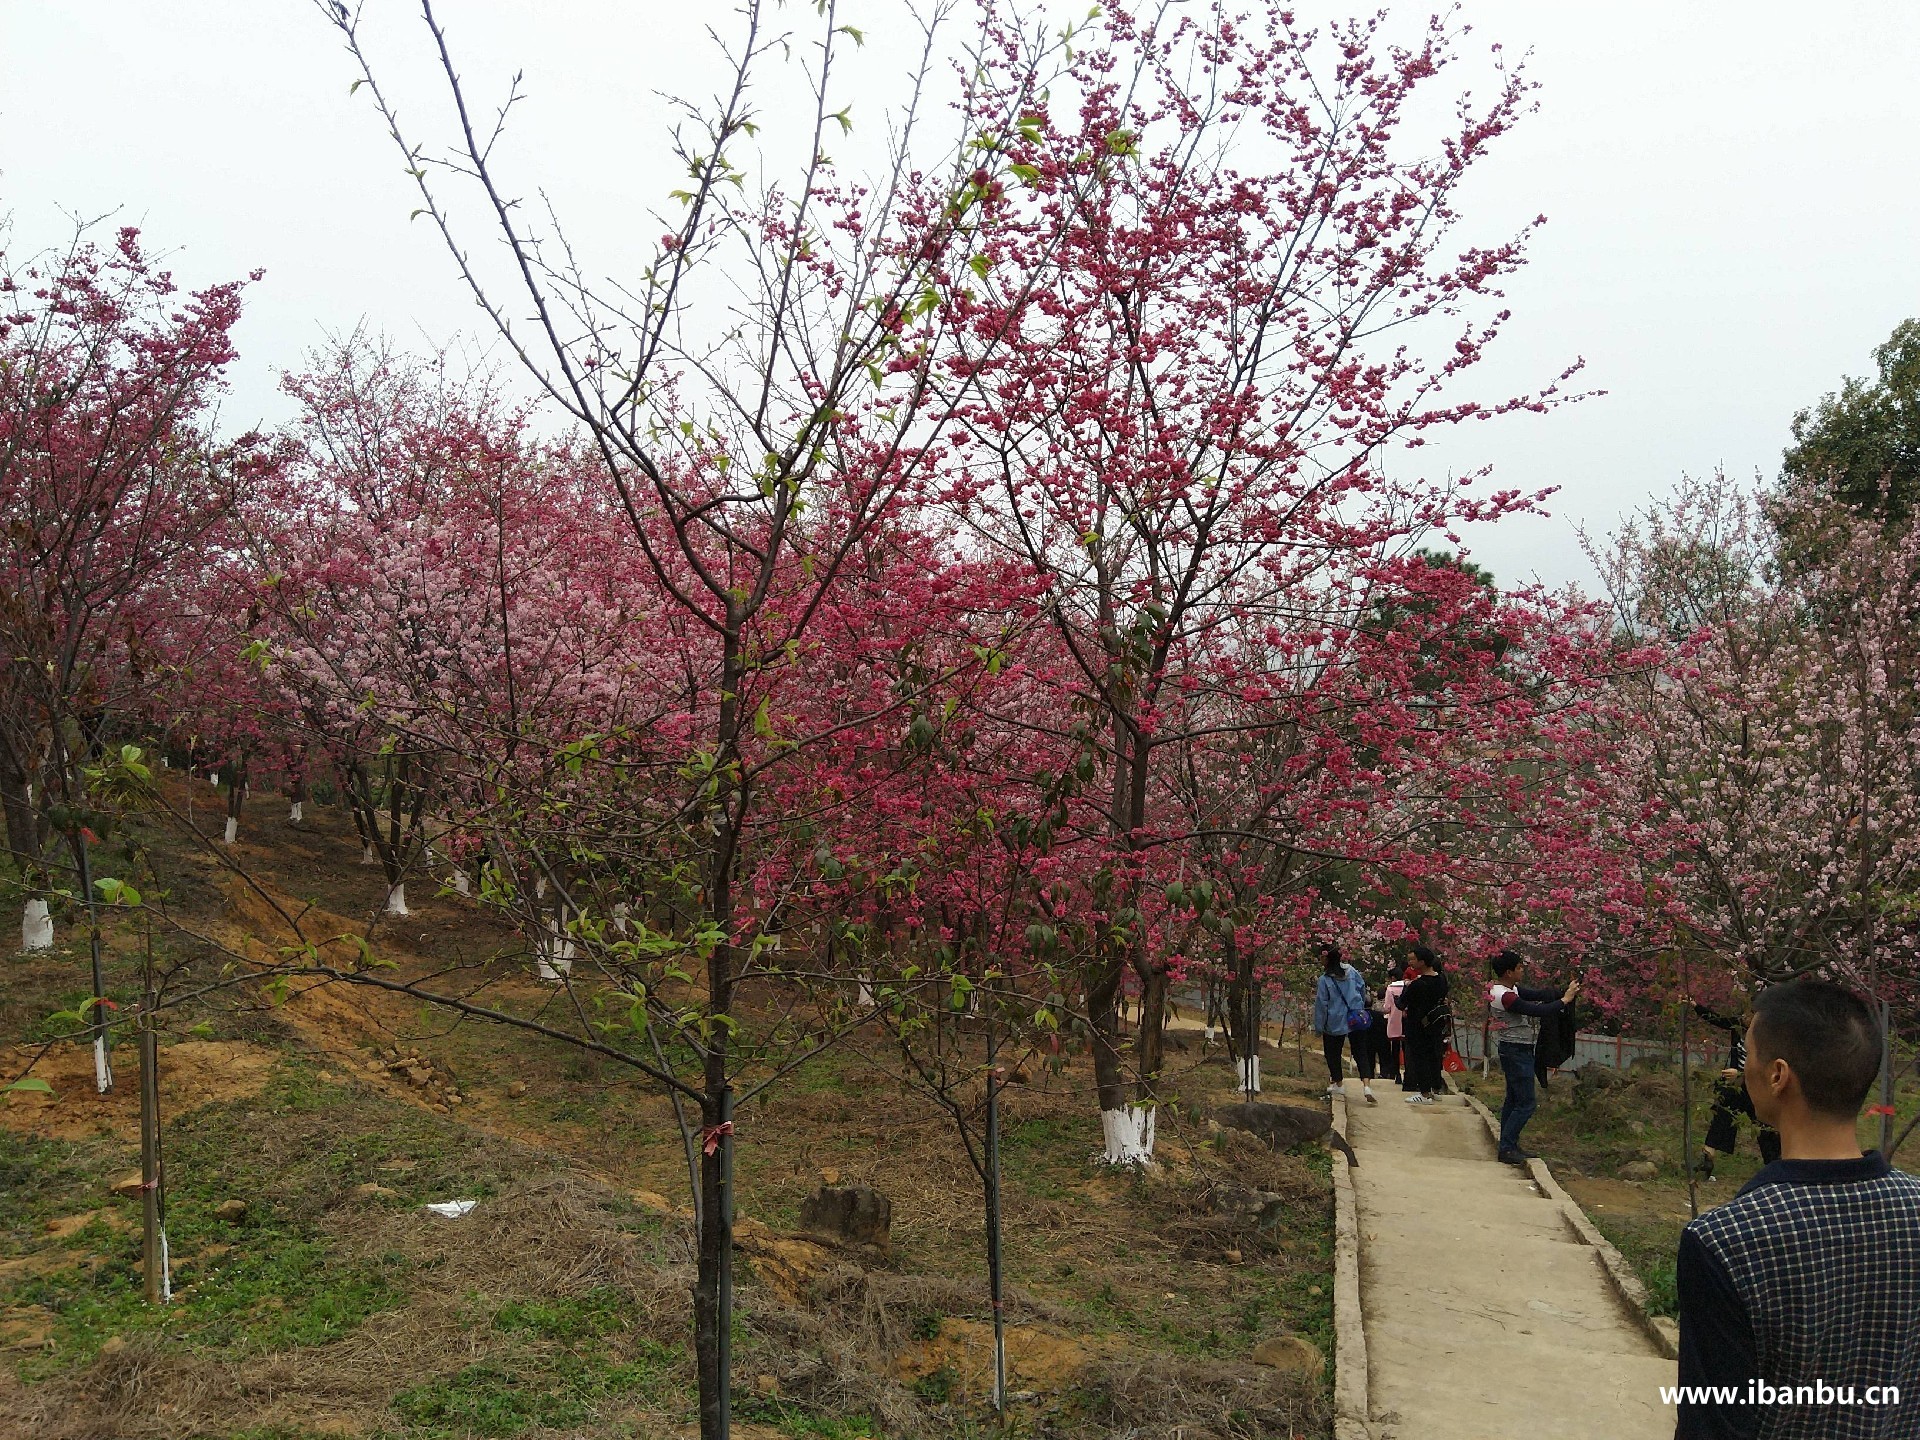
x=1809 y=1276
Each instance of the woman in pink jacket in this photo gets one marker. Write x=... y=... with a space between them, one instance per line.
x=1392 y=1056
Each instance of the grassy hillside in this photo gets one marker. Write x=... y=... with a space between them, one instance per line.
x=334 y=1305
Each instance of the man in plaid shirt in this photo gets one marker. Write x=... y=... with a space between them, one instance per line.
x=1800 y=1297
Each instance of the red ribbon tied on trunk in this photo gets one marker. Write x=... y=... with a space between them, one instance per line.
x=1879 y=1109
x=710 y=1137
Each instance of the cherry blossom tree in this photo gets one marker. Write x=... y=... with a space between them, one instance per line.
x=1771 y=757
x=1189 y=439
x=113 y=484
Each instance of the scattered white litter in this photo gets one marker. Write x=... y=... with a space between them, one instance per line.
x=452 y=1209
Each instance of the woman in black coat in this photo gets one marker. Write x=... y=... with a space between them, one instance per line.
x=1730 y=1098
x=1429 y=1019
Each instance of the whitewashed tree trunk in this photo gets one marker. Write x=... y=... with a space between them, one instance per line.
x=397 y=900
x=1250 y=1074
x=621 y=912
x=295 y=814
x=102 y=1067
x=863 y=992
x=553 y=957
x=461 y=884
x=367 y=857
x=36 y=927
x=1128 y=1132
x=233 y=828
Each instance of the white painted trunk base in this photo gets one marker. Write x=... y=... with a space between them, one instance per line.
x=367 y=857
x=461 y=884
x=1250 y=1074
x=1129 y=1135
x=36 y=927
x=397 y=900
x=621 y=912
x=295 y=815
x=554 y=955
x=863 y=994
x=1211 y=1034
x=554 y=958
x=102 y=1067
x=166 y=1269
x=233 y=829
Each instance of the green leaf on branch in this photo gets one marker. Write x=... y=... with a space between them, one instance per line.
x=31 y=1085
x=116 y=892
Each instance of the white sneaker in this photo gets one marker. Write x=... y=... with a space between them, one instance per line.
x=1419 y=1099
x=1336 y=1089
x=1367 y=1090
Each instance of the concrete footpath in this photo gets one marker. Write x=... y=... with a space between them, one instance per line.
x=1485 y=1313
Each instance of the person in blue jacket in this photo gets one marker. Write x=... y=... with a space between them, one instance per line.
x=1341 y=1019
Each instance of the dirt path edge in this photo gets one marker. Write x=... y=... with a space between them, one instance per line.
x=1659 y=1329
x=1350 y=1402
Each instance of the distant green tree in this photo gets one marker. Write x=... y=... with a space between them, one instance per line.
x=1862 y=446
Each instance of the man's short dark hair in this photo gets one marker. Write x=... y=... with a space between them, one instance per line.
x=1827 y=1034
x=1424 y=954
x=1505 y=963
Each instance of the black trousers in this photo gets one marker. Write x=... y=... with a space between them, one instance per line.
x=1730 y=1102
x=1355 y=1040
x=1423 y=1062
x=1392 y=1050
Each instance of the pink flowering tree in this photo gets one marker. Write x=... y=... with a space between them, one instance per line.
x=1771 y=755
x=114 y=487
x=1215 y=358
x=756 y=401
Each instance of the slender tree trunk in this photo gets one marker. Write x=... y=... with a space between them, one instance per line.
x=1686 y=1100
x=1150 y=1042
x=23 y=840
x=102 y=1062
x=236 y=796
x=1103 y=1024
x=152 y=1215
x=23 y=828
x=995 y=1271
x=713 y=1283
x=1150 y=1045
x=1886 y=1077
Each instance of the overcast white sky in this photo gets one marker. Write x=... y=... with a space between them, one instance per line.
x=1732 y=192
